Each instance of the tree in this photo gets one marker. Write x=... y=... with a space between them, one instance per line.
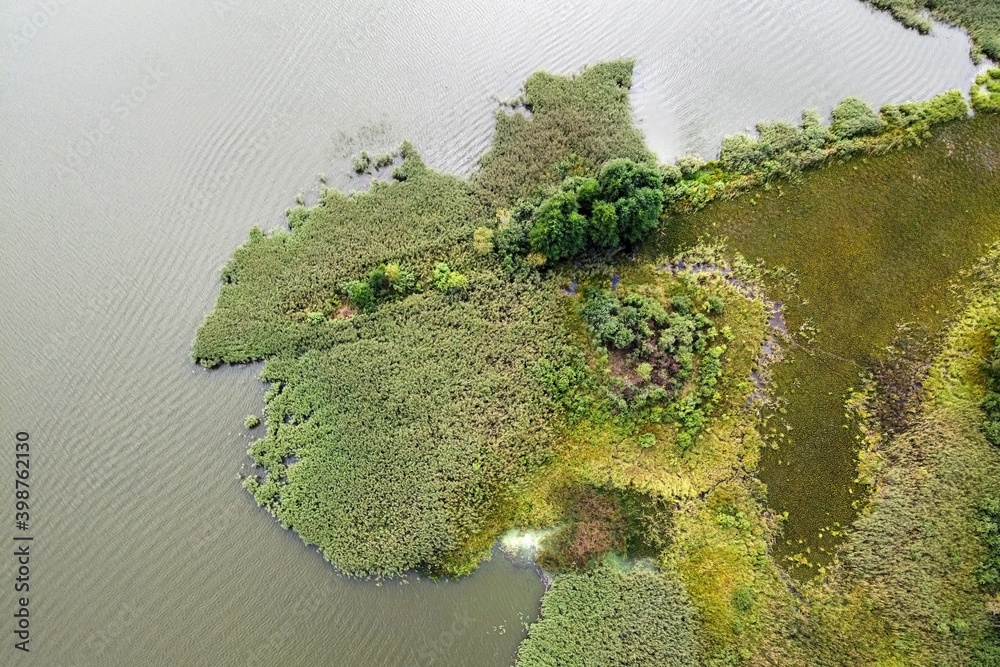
x=559 y=230
x=603 y=228
x=636 y=190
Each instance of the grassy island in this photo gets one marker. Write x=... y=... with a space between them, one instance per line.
x=581 y=340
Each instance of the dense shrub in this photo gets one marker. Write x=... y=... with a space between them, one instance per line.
x=985 y=93
x=854 y=118
x=622 y=204
x=664 y=356
x=611 y=617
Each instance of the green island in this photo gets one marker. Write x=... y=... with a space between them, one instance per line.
x=615 y=355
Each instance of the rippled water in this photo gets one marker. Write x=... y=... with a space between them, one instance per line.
x=140 y=143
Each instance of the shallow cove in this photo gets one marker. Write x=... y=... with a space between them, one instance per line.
x=874 y=242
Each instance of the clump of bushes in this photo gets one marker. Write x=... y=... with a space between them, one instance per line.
x=985 y=95
x=854 y=118
x=363 y=163
x=661 y=355
x=384 y=282
x=446 y=280
x=782 y=150
x=621 y=205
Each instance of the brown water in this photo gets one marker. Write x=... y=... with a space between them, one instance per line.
x=140 y=143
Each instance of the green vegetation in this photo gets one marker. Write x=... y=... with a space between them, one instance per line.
x=986 y=92
x=665 y=358
x=580 y=122
x=622 y=204
x=409 y=398
x=981 y=18
x=783 y=151
x=252 y=421
x=856 y=249
x=991 y=403
x=439 y=375
x=612 y=617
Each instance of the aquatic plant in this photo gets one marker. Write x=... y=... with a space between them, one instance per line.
x=985 y=94
x=611 y=616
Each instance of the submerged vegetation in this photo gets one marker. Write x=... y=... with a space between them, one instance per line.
x=564 y=342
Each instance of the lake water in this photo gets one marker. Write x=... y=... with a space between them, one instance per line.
x=141 y=141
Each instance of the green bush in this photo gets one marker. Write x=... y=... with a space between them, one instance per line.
x=622 y=204
x=559 y=230
x=854 y=118
x=252 y=421
x=985 y=93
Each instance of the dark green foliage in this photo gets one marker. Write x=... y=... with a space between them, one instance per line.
x=636 y=192
x=611 y=617
x=987 y=654
x=622 y=204
x=583 y=120
x=854 y=118
x=981 y=18
x=559 y=230
x=988 y=528
x=602 y=232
